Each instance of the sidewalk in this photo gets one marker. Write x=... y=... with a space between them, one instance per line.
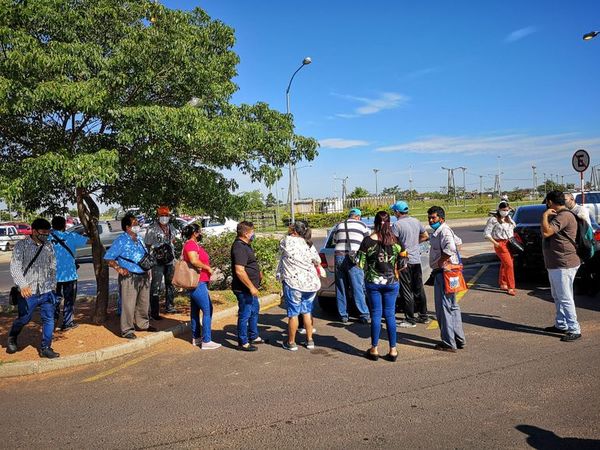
x=89 y=343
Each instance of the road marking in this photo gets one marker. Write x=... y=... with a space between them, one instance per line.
x=129 y=363
x=434 y=323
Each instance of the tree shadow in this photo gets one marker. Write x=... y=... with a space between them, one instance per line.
x=544 y=439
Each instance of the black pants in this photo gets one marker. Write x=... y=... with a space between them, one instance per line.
x=412 y=292
x=158 y=272
x=68 y=291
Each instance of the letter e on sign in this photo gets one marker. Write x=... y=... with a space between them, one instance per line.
x=581 y=160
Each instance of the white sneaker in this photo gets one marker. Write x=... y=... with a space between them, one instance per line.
x=303 y=330
x=406 y=324
x=210 y=345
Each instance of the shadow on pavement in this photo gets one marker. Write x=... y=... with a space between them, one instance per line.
x=543 y=439
x=487 y=321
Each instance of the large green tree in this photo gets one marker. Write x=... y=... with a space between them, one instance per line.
x=127 y=102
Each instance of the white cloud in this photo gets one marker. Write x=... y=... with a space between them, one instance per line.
x=387 y=100
x=342 y=143
x=519 y=34
x=544 y=147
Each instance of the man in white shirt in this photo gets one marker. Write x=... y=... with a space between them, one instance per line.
x=444 y=250
x=347 y=237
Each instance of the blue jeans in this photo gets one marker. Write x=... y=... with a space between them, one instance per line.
x=382 y=298
x=46 y=302
x=68 y=291
x=247 y=324
x=561 y=285
x=348 y=274
x=200 y=301
x=447 y=313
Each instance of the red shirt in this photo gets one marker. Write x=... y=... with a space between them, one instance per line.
x=191 y=246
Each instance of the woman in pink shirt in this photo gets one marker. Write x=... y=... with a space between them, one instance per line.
x=196 y=256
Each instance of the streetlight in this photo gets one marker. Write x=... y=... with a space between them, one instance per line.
x=296 y=182
x=306 y=61
x=376 y=188
x=591 y=35
x=464 y=169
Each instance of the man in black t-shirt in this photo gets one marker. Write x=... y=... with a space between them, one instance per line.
x=246 y=280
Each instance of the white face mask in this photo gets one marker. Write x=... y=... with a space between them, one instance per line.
x=163 y=220
x=503 y=213
x=136 y=229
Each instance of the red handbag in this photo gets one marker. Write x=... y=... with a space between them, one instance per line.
x=454 y=281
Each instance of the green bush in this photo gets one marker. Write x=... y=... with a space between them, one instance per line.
x=219 y=251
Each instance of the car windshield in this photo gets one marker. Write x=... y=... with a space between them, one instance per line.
x=3 y=232
x=590 y=197
x=529 y=214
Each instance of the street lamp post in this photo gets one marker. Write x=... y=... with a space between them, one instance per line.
x=306 y=61
x=464 y=170
x=376 y=187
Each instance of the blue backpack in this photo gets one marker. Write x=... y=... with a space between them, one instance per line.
x=584 y=241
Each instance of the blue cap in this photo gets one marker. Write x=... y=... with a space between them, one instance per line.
x=355 y=212
x=401 y=206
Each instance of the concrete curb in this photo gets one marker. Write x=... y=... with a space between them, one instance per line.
x=21 y=368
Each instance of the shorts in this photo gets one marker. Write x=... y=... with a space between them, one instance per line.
x=298 y=302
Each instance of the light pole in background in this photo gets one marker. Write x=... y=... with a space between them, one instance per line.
x=376 y=187
x=306 y=61
x=534 y=180
x=464 y=170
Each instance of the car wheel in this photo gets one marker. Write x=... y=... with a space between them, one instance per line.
x=328 y=305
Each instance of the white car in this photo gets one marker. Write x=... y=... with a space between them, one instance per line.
x=9 y=237
x=592 y=202
x=215 y=227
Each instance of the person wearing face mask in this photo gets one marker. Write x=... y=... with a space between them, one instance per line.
x=134 y=282
x=444 y=250
x=33 y=269
x=159 y=240
x=196 y=256
x=245 y=284
x=499 y=229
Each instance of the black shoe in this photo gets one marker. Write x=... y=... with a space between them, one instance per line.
x=553 y=329
x=68 y=327
x=444 y=348
x=150 y=329
x=570 y=337
x=364 y=320
x=11 y=345
x=170 y=310
x=156 y=317
x=47 y=352
x=460 y=346
x=422 y=319
x=391 y=357
x=345 y=320
x=247 y=348
x=371 y=356
x=130 y=335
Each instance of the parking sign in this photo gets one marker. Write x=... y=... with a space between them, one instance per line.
x=581 y=160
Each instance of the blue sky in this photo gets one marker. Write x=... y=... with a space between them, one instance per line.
x=409 y=87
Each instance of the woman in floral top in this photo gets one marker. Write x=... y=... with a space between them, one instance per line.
x=298 y=274
x=380 y=256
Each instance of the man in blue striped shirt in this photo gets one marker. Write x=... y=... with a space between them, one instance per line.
x=33 y=268
x=347 y=237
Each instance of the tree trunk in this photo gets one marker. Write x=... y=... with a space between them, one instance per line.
x=89 y=214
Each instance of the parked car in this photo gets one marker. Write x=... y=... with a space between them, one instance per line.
x=22 y=228
x=528 y=232
x=214 y=227
x=326 y=295
x=108 y=231
x=592 y=202
x=9 y=236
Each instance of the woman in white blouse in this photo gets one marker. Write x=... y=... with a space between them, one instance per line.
x=298 y=274
x=499 y=229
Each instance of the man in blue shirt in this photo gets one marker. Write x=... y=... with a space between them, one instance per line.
x=65 y=247
x=134 y=283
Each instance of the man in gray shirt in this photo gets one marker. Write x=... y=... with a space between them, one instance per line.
x=33 y=269
x=410 y=233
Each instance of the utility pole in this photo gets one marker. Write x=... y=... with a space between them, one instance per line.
x=410 y=181
x=545 y=188
x=534 y=183
x=464 y=170
x=376 y=187
x=480 y=186
x=343 y=180
x=498 y=179
x=451 y=184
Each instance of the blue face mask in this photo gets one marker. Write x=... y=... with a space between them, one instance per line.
x=435 y=225
x=252 y=236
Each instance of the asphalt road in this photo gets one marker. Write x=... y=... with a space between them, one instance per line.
x=513 y=386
